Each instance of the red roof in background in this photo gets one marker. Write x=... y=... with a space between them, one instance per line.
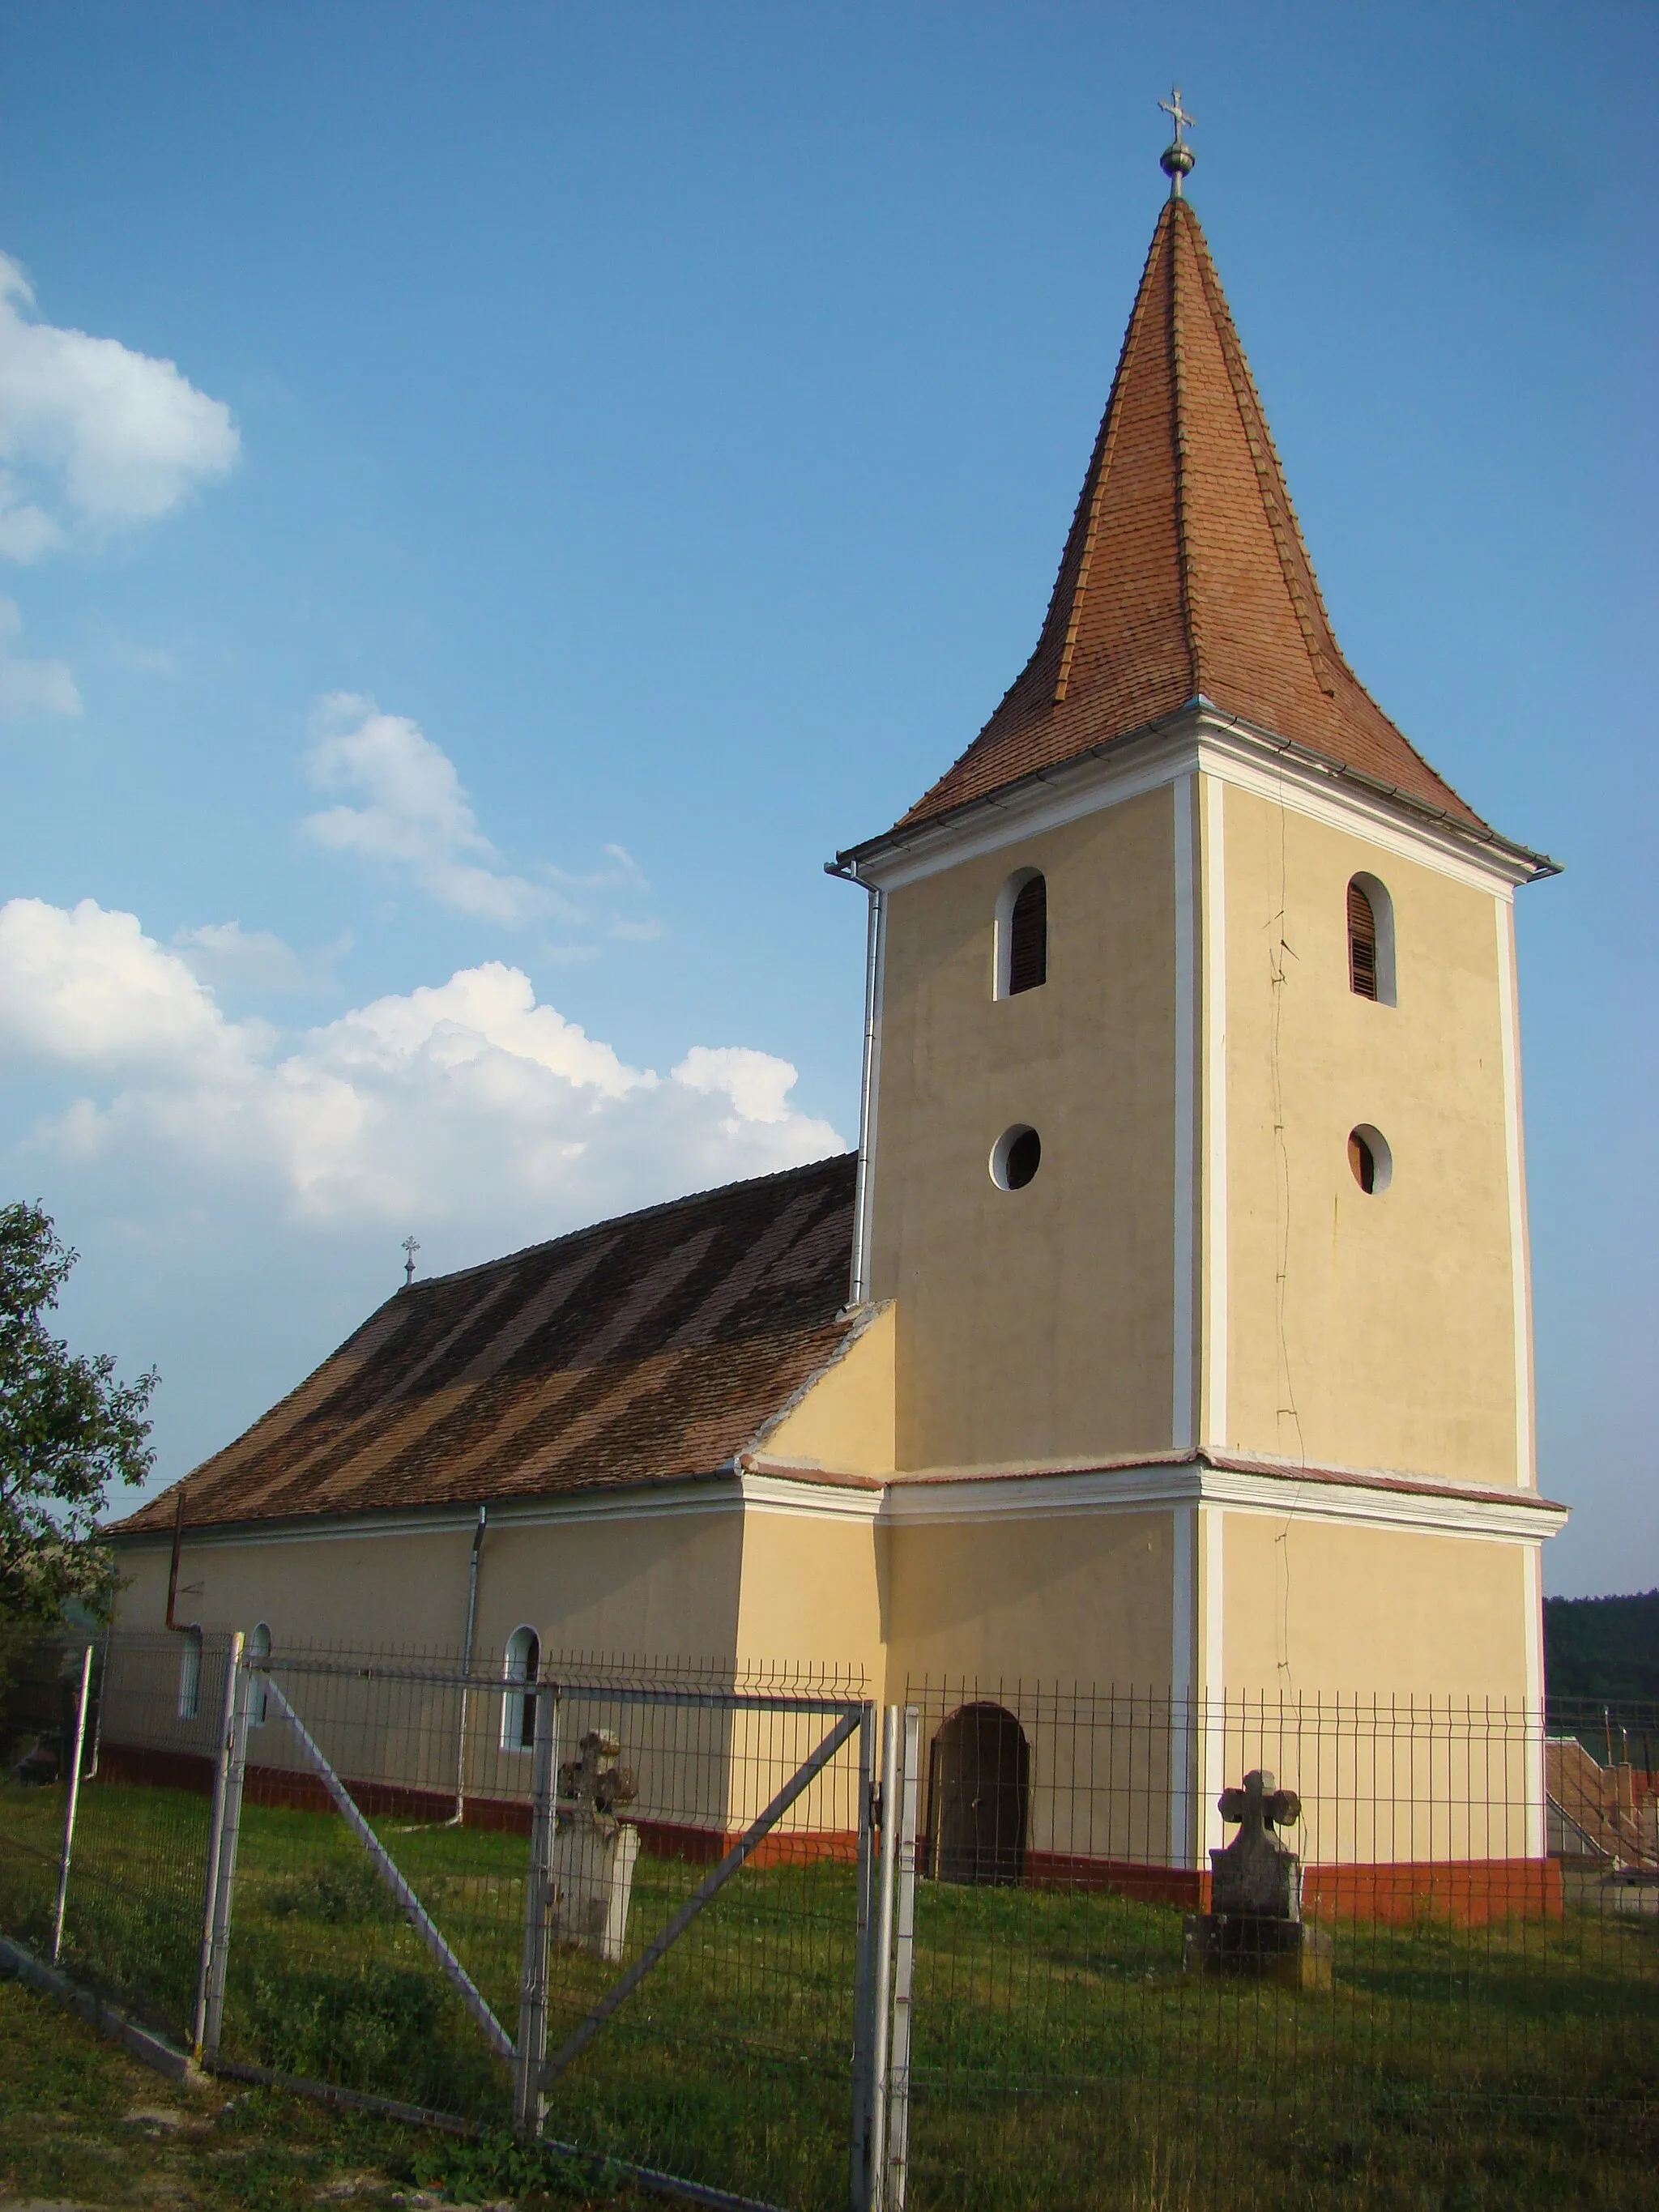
x=636 y=1350
x=1185 y=573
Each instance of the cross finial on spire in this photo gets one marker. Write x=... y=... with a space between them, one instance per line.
x=1176 y=160
x=409 y=1249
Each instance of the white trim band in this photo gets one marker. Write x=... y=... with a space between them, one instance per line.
x=910 y=1503
x=1203 y=741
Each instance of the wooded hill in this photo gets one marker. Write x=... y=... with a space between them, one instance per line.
x=1602 y=1647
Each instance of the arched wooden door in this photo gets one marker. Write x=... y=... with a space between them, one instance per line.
x=978 y=1793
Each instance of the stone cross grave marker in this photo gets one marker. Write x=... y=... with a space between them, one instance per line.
x=1256 y=1873
x=1255 y=1923
x=594 y=1850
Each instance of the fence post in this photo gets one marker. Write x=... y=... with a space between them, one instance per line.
x=882 y=1995
x=216 y=1841
x=864 y=2148
x=97 y=1710
x=538 y=1902
x=71 y=1803
x=230 y=1827
x=904 y=1931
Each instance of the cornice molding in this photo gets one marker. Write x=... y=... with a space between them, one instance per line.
x=1420 y=1512
x=1157 y=1483
x=1199 y=739
x=720 y=1493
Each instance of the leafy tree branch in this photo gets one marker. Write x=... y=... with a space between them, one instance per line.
x=68 y=1429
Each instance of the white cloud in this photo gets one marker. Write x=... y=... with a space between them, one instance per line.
x=228 y=957
x=466 y=1103
x=88 y=426
x=84 y=988
x=756 y=1084
x=414 y=816
x=624 y=873
x=30 y=688
x=26 y=531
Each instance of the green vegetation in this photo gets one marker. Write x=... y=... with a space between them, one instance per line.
x=1448 y=2067
x=80 y=2120
x=68 y=1431
x=1602 y=1648
x=1062 y=2059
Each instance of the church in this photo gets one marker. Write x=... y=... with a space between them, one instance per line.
x=1172 y=1324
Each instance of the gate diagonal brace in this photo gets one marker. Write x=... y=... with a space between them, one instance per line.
x=454 y=1971
x=706 y=1890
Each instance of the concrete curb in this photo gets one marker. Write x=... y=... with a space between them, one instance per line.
x=18 y=1962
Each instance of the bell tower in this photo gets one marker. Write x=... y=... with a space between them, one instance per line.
x=1192 y=1119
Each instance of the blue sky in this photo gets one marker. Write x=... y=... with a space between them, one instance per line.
x=614 y=456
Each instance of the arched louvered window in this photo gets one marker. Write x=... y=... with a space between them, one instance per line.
x=1022 y=934
x=1371 y=941
x=524 y=1660
x=1028 y=937
x=1362 y=943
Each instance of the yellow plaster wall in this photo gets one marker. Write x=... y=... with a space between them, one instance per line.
x=663 y=1585
x=1392 y=1336
x=395 y=1589
x=1037 y=1322
x=1398 y=1712
x=846 y=1420
x=1018 y=1612
x=1080 y=1598
x=1314 y=1607
x=813 y=1592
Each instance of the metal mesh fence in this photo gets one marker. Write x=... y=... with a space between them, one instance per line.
x=1005 y=1977
x=133 y=1910
x=732 y=2066
x=1448 y=2000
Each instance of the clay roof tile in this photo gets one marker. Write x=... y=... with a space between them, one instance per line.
x=637 y=1351
x=1184 y=573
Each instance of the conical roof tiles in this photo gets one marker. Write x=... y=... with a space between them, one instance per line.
x=1184 y=574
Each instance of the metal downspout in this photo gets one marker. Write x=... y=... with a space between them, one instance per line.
x=457 y=1817
x=874 y=961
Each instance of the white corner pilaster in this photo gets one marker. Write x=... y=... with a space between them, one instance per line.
x=1526 y=1472
x=1184 y=1349
x=1213 y=908
x=1532 y=1567
x=1212 y=1678
x=1186 y=1757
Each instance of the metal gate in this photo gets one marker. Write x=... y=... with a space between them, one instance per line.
x=680 y=1892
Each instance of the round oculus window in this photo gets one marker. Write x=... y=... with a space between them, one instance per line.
x=1369 y=1156
x=1016 y=1157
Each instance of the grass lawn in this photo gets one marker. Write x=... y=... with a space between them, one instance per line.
x=82 y=2123
x=1061 y=2057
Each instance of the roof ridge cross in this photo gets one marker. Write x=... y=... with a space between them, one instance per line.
x=1178 y=158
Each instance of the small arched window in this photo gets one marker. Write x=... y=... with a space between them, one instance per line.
x=259 y=1650
x=1022 y=934
x=524 y=1660
x=190 y=1674
x=1371 y=941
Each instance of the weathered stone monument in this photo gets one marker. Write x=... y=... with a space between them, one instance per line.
x=594 y=1851
x=1255 y=1923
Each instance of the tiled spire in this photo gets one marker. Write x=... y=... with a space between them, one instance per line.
x=1185 y=575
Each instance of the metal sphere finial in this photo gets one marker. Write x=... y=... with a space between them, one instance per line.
x=1177 y=159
